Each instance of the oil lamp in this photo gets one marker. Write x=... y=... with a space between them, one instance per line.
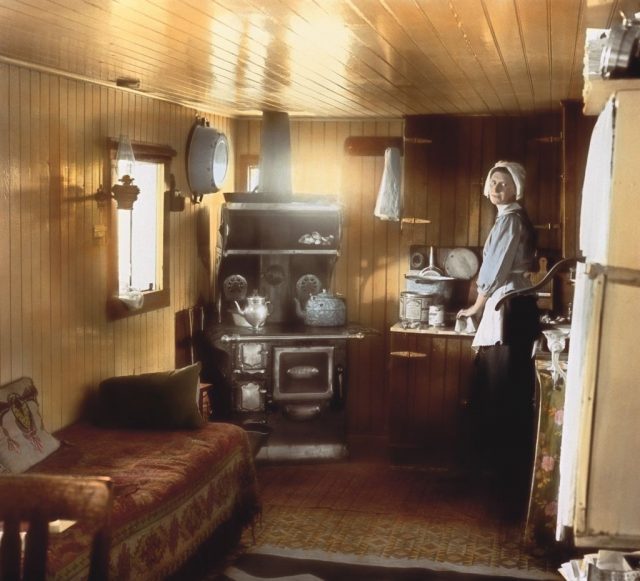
x=126 y=192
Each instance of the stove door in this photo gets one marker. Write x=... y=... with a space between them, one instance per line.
x=252 y=356
x=303 y=373
x=249 y=395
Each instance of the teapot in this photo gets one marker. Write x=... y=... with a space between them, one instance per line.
x=256 y=311
x=323 y=310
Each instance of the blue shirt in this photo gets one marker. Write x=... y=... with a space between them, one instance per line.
x=508 y=252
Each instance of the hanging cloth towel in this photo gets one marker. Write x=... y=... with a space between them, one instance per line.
x=388 y=204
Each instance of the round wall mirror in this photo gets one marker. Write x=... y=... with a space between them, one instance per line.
x=207 y=160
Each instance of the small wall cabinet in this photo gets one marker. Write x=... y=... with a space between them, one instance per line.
x=430 y=377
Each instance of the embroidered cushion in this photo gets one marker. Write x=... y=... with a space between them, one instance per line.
x=23 y=439
x=161 y=400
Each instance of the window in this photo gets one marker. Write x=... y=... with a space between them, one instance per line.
x=140 y=232
x=248 y=173
x=253 y=177
x=139 y=248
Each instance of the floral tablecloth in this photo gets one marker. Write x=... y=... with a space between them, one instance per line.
x=543 y=503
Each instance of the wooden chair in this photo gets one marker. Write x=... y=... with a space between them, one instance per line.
x=31 y=501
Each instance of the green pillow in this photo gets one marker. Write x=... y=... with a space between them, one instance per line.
x=162 y=400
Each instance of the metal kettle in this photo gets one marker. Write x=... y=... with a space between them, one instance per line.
x=256 y=311
x=323 y=309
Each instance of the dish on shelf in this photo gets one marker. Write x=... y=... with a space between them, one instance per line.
x=307 y=285
x=316 y=239
x=461 y=263
x=235 y=287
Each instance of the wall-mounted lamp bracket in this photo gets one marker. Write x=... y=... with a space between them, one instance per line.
x=126 y=193
x=102 y=196
x=175 y=197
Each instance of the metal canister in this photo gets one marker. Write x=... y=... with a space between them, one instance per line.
x=436 y=315
x=414 y=308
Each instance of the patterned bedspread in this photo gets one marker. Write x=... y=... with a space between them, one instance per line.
x=172 y=489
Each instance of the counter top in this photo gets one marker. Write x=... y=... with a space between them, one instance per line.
x=446 y=331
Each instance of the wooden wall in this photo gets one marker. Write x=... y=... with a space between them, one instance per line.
x=53 y=324
x=443 y=182
x=445 y=177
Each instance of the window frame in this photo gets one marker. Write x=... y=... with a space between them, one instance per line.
x=157 y=299
x=245 y=162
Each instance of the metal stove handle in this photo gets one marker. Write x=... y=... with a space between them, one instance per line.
x=262 y=337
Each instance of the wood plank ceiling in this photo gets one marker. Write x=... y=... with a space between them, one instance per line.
x=328 y=58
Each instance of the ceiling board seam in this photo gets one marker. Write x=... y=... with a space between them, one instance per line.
x=413 y=41
x=355 y=103
x=467 y=43
x=364 y=63
x=439 y=37
x=301 y=91
x=573 y=58
x=550 y=48
x=500 y=55
x=368 y=22
x=523 y=44
x=346 y=59
x=272 y=19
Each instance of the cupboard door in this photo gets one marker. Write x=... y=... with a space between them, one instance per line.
x=429 y=383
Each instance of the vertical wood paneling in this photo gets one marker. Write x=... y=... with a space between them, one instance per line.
x=454 y=168
x=15 y=295
x=351 y=257
x=343 y=185
x=473 y=187
x=5 y=224
x=443 y=181
x=53 y=323
x=53 y=271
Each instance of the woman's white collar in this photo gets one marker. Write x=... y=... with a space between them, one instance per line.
x=502 y=208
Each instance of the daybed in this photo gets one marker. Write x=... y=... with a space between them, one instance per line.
x=172 y=488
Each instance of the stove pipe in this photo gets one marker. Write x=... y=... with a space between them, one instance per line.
x=275 y=155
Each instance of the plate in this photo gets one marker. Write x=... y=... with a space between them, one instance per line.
x=308 y=284
x=461 y=263
x=235 y=287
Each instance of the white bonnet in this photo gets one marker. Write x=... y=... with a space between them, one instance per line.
x=517 y=171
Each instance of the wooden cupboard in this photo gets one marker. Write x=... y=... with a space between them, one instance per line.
x=429 y=379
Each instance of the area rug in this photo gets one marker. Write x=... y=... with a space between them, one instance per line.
x=291 y=565
x=375 y=514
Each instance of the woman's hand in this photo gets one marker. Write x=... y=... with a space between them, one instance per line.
x=470 y=312
x=474 y=309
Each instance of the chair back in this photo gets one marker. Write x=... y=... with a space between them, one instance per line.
x=29 y=502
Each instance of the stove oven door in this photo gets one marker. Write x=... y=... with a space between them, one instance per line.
x=303 y=374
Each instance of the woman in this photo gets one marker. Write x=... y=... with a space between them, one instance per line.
x=503 y=390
